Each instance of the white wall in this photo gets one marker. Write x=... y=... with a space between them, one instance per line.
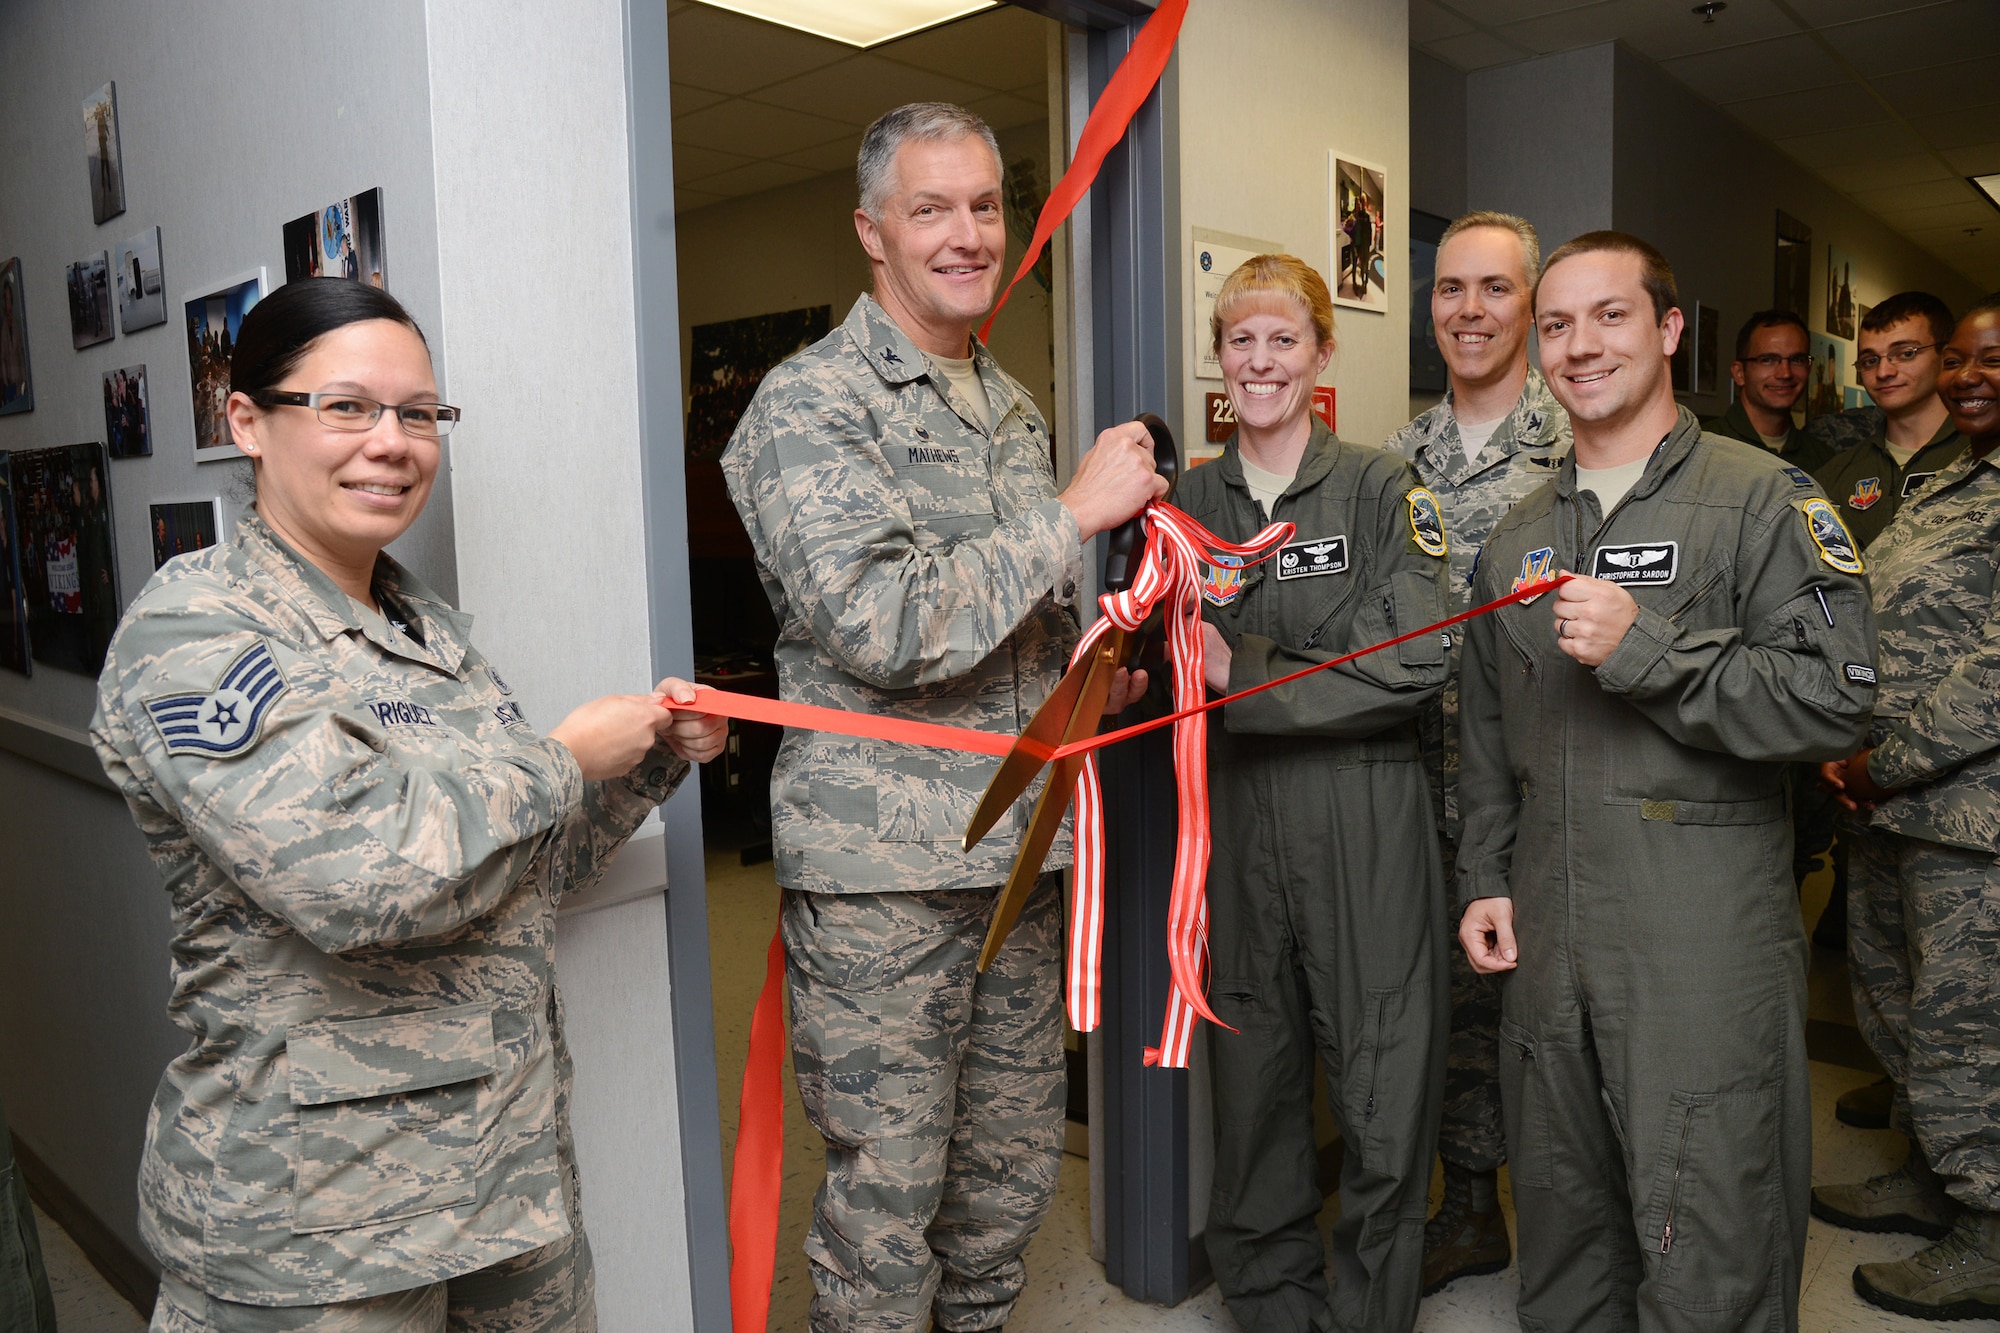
x=1266 y=87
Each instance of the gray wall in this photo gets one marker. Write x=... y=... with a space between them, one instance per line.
x=1539 y=142
x=231 y=125
x=1437 y=136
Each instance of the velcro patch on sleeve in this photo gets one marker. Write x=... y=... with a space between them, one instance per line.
x=1426 y=522
x=229 y=719
x=1836 y=545
x=1859 y=674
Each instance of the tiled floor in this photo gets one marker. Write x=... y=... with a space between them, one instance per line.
x=1067 y=1289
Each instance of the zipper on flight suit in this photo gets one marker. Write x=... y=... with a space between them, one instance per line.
x=1674 y=1195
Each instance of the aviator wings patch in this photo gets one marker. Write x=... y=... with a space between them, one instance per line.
x=227 y=720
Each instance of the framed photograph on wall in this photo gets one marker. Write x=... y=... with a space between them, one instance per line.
x=341 y=240
x=142 y=294
x=102 y=154
x=14 y=653
x=1824 y=391
x=1841 y=280
x=183 y=526
x=727 y=360
x=69 y=570
x=213 y=315
x=17 y=381
x=1791 y=266
x=128 y=416
x=1359 y=245
x=90 y=301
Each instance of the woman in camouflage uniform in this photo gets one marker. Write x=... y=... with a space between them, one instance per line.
x=364 y=841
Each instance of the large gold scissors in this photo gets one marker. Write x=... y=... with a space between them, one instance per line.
x=1072 y=712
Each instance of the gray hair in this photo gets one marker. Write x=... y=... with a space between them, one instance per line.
x=1531 y=244
x=925 y=122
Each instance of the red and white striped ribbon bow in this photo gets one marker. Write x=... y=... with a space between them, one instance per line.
x=1178 y=550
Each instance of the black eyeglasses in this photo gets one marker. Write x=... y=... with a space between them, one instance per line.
x=1899 y=356
x=348 y=411
x=1772 y=360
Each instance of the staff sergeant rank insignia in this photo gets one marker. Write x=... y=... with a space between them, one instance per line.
x=1836 y=547
x=1426 y=522
x=1652 y=564
x=228 y=719
x=1535 y=566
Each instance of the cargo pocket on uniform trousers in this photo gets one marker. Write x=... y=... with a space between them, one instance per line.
x=1384 y=1087
x=388 y=1114
x=1717 y=1208
x=1525 y=1109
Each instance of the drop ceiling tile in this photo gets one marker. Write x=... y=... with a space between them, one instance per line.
x=1955 y=129
x=1430 y=21
x=1971 y=211
x=857 y=90
x=1003 y=111
x=1920 y=38
x=1000 y=48
x=728 y=53
x=837 y=155
x=691 y=163
x=1493 y=13
x=1945 y=89
x=1831 y=148
x=1822 y=13
x=1924 y=194
x=686 y=201
x=1978 y=160
x=688 y=98
x=753 y=129
x=1789 y=115
x=1855 y=176
x=1781 y=65
x=755 y=177
x=1656 y=30
x=1477 y=50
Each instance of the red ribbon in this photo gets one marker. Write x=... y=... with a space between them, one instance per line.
x=1131 y=84
x=757 y=1178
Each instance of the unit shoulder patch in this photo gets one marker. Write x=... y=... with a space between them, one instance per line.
x=1222 y=579
x=1426 y=521
x=1836 y=546
x=1312 y=557
x=1649 y=564
x=1535 y=567
x=1867 y=493
x=228 y=719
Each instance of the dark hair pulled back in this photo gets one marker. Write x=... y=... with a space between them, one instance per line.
x=280 y=329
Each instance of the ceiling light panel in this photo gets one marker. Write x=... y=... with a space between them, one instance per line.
x=862 y=23
x=1988 y=186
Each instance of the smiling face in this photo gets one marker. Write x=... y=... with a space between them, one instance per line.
x=338 y=497
x=937 y=247
x=1774 y=388
x=1271 y=358
x=1969 y=381
x=1480 y=304
x=1603 y=351
x=1896 y=385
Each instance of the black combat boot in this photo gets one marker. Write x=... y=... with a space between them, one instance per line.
x=1468 y=1236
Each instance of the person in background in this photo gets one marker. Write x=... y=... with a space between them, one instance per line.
x=26 y=1305
x=1326 y=903
x=896 y=487
x=1898 y=366
x=363 y=840
x=1773 y=362
x=1925 y=944
x=1627 y=835
x=1498 y=434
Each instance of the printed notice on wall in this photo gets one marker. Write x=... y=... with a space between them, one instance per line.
x=1216 y=255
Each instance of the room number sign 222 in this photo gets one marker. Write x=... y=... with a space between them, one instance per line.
x=1221 y=413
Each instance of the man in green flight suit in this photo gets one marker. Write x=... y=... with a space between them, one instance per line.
x=1773 y=361
x=1498 y=434
x=1623 y=785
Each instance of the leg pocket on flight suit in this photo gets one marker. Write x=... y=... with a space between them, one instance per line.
x=1388 y=1077
x=1717 y=1200
x=1525 y=1109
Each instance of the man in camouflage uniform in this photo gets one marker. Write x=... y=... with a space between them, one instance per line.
x=897 y=489
x=1498 y=434
x=1925 y=947
x=1773 y=361
x=25 y=1303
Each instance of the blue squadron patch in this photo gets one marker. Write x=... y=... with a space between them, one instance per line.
x=1836 y=547
x=1222 y=581
x=1426 y=522
x=1535 y=566
x=227 y=720
x=1866 y=492
x=1798 y=477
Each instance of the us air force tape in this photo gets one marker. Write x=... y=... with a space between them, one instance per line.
x=1836 y=547
x=1426 y=522
x=227 y=720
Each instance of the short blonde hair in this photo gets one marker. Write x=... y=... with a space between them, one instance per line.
x=1274 y=275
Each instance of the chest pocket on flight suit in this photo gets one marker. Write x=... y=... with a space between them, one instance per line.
x=388 y=1114
x=946 y=483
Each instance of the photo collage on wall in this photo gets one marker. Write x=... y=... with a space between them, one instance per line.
x=214 y=318
x=187 y=526
x=341 y=240
x=62 y=525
